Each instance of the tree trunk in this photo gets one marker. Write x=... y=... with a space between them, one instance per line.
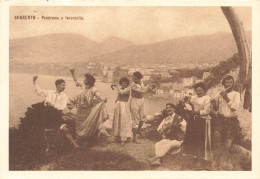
x=245 y=71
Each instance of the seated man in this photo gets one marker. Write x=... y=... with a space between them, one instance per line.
x=58 y=100
x=172 y=128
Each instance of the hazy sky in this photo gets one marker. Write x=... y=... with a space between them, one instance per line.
x=138 y=24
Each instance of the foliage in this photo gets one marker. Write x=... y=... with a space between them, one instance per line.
x=27 y=144
x=185 y=73
x=27 y=147
x=218 y=72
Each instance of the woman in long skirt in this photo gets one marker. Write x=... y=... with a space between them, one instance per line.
x=197 y=141
x=122 y=123
x=91 y=110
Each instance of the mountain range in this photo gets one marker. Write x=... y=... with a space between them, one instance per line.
x=69 y=48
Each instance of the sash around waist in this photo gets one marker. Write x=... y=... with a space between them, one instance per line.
x=137 y=95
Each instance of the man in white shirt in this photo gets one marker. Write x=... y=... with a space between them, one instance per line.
x=58 y=100
x=226 y=125
x=172 y=128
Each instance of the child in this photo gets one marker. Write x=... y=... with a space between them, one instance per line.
x=122 y=123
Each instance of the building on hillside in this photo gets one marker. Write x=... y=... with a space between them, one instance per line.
x=92 y=64
x=167 y=85
x=189 y=92
x=146 y=77
x=159 y=91
x=148 y=71
x=178 y=94
x=132 y=70
x=176 y=86
x=198 y=80
x=189 y=81
x=125 y=68
x=162 y=67
x=205 y=75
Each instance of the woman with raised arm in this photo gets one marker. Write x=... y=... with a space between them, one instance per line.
x=91 y=110
x=122 y=123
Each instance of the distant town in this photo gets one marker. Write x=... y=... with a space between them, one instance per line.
x=166 y=79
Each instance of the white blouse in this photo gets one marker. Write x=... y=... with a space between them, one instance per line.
x=202 y=105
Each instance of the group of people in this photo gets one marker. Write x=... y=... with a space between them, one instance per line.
x=89 y=112
x=207 y=129
x=190 y=133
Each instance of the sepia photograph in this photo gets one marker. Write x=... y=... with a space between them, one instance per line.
x=130 y=88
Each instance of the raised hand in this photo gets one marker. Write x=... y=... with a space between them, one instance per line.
x=34 y=79
x=105 y=100
x=49 y=104
x=224 y=95
x=78 y=84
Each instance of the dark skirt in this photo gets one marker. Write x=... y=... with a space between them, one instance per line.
x=194 y=140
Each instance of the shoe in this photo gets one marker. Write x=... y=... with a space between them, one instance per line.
x=156 y=162
x=150 y=160
x=230 y=167
x=122 y=143
x=176 y=151
x=214 y=166
x=223 y=166
x=76 y=146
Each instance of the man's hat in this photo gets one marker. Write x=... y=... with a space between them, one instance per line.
x=171 y=104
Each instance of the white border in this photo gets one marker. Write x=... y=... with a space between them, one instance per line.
x=4 y=92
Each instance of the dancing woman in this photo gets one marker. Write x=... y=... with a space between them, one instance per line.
x=91 y=110
x=122 y=123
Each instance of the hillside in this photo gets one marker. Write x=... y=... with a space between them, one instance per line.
x=75 y=48
x=62 y=48
x=204 y=48
x=113 y=44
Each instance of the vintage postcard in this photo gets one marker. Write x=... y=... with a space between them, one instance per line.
x=163 y=87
